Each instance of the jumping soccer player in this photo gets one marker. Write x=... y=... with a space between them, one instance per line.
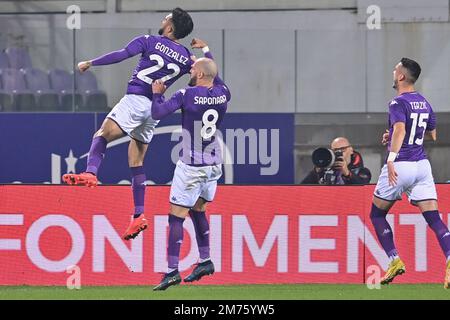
x=194 y=184
x=407 y=169
x=162 y=57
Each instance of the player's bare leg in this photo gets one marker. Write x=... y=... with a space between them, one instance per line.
x=205 y=266
x=136 y=155
x=429 y=209
x=378 y=213
x=108 y=132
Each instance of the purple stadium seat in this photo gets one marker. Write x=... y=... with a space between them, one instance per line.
x=4 y=61
x=38 y=82
x=94 y=99
x=18 y=58
x=62 y=82
x=14 y=83
x=13 y=80
x=5 y=99
x=86 y=81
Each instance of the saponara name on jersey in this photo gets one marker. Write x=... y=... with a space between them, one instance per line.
x=171 y=53
x=210 y=100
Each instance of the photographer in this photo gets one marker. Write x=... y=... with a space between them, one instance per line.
x=340 y=165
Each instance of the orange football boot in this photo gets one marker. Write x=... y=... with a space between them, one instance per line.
x=136 y=226
x=84 y=179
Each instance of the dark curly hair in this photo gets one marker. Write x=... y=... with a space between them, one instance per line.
x=182 y=23
x=413 y=69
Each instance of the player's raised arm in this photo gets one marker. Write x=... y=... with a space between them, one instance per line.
x=134 y=47
x=197 y=43
x=200 y=44
x=162 y=108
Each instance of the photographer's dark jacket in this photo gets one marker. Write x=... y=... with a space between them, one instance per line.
x=358 y=173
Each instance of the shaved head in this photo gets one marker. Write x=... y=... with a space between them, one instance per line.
x=203 y=72
x=207 y=66
x=339 y=142
x=342 y=144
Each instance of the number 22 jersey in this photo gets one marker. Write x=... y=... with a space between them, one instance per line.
x=161 y=58
x=416 y=112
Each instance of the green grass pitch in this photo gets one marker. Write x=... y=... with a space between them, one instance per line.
x=235 y=292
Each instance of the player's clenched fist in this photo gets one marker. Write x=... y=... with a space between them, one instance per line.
x=198 y=43
x=158 y=87
x=84 y=65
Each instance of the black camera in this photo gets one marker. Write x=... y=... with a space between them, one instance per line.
x=325 y=158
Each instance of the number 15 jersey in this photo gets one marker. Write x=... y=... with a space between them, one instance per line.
x=161 y=58
x=415 y=111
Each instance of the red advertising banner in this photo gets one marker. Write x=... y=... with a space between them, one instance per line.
x=258 y=234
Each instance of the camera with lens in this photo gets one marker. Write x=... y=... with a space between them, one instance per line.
x=324 y=159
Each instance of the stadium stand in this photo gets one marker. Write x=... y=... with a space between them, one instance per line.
x=14 y=83
x=18 y=58
x=4 y=62
x=47 y=99
x=24 y=88
x=5 y=99
x=94 y=99
x=62 y=82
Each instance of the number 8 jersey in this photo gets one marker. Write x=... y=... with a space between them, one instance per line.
x=416 y=112
x=202 y=112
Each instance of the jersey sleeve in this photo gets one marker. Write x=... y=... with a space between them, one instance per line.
x=397 y=111
x=226 y=91
x=190 y=55
x=162 y=108
x=209 y=55
x=134 y=47
x=137 y=45
x=431 y=125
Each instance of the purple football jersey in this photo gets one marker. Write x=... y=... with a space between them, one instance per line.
x=202 y=111
x=416 y=112
x=161 y=58
x=202 y=115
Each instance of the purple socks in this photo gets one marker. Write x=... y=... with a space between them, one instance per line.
x=95 y=157
x=201 y=227
x=96 y=154
x=175 y=241
x=138 y=186
x=441 y=231
x=383 y=231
